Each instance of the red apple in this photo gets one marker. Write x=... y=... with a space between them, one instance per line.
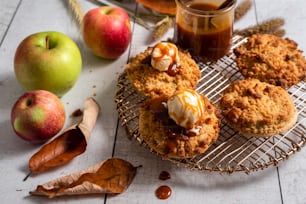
x=37 y=116
x=107 y=31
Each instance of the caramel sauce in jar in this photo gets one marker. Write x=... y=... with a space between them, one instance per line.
x=206 y=37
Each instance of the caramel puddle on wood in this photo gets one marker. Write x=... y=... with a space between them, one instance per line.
x=163 y=192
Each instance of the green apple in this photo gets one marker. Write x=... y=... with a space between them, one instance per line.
x=37 y=116
x=49 y=61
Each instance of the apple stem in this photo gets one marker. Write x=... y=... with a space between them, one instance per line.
x=27 y=176
x=29 y=102
x=47 y=42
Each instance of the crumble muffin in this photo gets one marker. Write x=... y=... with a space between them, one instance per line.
x=257 y=108
x=167 y=71
x=271 y=59
x=179 y=129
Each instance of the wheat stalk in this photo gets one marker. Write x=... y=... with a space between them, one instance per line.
x=162 y=27
x=268 y=26
x=76 y=10
x=242 y=9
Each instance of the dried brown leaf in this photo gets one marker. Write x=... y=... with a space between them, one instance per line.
x=69 y=144
x=110 y=176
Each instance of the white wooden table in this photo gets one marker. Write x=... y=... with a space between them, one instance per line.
x=285 y=184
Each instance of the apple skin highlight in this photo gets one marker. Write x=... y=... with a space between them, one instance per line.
x=49 y=61
x=106 y=31
x=37 y=116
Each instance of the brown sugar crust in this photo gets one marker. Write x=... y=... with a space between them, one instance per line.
x=154 y=83
x=162 y=135
x=257 y=108
x=271 y=59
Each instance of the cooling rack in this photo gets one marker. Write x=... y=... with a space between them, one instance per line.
x=233 y=152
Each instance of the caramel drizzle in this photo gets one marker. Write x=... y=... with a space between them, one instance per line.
x=166 y=49
x=195 y=108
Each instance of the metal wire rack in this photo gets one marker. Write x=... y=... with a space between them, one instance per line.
x=233 y=152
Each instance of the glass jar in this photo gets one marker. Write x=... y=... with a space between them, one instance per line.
x=203 y=29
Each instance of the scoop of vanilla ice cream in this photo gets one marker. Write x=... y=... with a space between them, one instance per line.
x=186 y=107
x=163 y=55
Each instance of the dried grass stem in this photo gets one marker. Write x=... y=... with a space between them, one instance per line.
x=76 y=10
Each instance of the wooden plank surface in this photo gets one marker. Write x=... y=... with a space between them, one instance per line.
x=7 y=11
x=285 y=184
